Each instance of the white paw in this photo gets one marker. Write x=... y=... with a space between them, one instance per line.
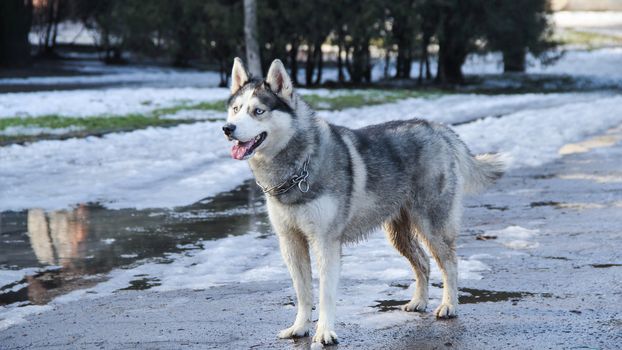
x=325 y=336
x=445 y=311
x=295 y=331
x=415 y=305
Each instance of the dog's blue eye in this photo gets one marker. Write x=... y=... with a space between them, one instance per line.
x=236 y=109
x=259 y=111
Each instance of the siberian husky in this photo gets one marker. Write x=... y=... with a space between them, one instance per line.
x=327 y=185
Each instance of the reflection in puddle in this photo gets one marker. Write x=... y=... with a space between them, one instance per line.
x=75 y=248
x=41 y=288
x=466 y=296
x=57 y=237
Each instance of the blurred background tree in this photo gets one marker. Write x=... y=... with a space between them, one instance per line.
x=15 y=23
x=351 y=35
x=516 y=28
x=459 y=25
x=404 y=20
x=47 y=16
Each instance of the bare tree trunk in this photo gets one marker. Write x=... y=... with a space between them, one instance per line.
x=452 y=53
x=347 y=61
x=387 y=60
x=340 y=76
x=450 y=66
x=15 y=22
x=57 y=17
x=424 y=59
x=320 y=63
x=250 y=37
x=310 y=64
x=50 y=24
x=514 y=60
x=222 y=72
x=421 y=63
x=293 y=61
x=428 y=72
x=367 y=69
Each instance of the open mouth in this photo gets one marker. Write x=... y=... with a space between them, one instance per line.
x=243 y=150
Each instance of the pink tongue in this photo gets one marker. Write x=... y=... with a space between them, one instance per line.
x=239 y=149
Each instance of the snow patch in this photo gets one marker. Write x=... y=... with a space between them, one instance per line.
x=120 y=101
x=533 y=137
x=168 y=167
x=34 y=130
x=13 y=276
x=154 y=167
x=16 y=315
x=516 y=237
x=452 y=109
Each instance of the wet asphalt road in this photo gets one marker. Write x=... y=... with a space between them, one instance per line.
x=564 y=293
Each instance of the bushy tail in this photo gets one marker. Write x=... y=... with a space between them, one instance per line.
x=481 y=171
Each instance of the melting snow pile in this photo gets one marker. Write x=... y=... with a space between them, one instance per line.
x=167 y=167
x=516 y=237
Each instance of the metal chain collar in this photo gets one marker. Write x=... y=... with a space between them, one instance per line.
x=299 y=180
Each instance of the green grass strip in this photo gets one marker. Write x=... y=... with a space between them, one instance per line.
x=102 y=124
x=363 y=98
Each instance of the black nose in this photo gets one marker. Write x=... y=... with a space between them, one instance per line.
x=228 y=129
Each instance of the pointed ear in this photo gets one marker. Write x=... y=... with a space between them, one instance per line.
x=279 y=80
x=239 y=75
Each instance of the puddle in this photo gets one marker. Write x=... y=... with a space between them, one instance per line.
x=556 y=257
x=474 y=296
x=389 y=305
x=466 y=296
x=485 y=237
x=143 y=284
x=604 y=266
x=544 y=204
x=543 y=176
x=490 y=207
x=575 y=206
x=75 y=248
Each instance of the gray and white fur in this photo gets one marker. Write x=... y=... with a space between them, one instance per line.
x=406 y=176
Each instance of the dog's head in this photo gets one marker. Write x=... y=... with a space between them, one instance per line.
x=260 y=115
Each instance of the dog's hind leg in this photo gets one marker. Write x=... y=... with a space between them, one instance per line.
x=295 y=251
x=403 y=239
x=440 y=238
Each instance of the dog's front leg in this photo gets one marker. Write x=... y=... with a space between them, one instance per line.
x=295 y=251
x=328 y=253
